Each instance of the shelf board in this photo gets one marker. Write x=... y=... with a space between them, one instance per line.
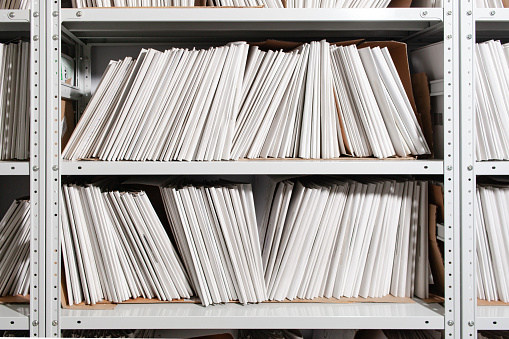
x=14 y=168
x=252 y=167
x=221 y=24
x=492 y=318
x=18 y=21
x=491 y=23
x=14 y=316
x=491 y=168
x=69 y=92
x=265 y=316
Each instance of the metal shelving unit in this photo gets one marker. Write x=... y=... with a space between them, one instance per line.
x=97 y=28
x=28 y=25
x=477 y=25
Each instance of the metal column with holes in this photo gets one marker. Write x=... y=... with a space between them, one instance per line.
x=37 y=169
x=451 y=170
x=467 y=179
x=52 y=165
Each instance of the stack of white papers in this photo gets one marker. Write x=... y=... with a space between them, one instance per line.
x=15 y=4
x=377 y=116
x=131 y=3
x=215 y=229
x=14 y=101
x=493 y=335
x=318 y=101
x=492 y=100
x=325 y=237
x=114 y=247
x=489 y=3
x=246 y=3
x=15 y=249
x=492 y=242
x=337 y=3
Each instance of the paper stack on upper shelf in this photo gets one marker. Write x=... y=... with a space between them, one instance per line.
x=316 y=101
x=14 y=101
x=15 y=4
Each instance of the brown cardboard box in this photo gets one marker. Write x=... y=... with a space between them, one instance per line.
x=67 y=119
x=506 y=3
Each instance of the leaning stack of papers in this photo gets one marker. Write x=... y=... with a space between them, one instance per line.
x=489 y=3
x=492 y=231
x=492 y=100
x=246 y=3
x=114 y=247
x=327 y=237
x=337 y=3
x=15 y=4
x=131 y=3
x=15 y=249
x=215 y=229
x=319 y=101
x=14 y=101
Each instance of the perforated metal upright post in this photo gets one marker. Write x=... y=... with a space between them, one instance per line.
x=37 y=169
x=467 y=175
x=52 y=168
x=451 y=170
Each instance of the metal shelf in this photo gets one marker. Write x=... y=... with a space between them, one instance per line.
x=220 y=24
x=14 y=316
x=14 y=168
x=14 y=21
x=250 y=167
x=70 y=92
x=263 y=316
x=491 y=23
x=491 y=168
x=492 y=318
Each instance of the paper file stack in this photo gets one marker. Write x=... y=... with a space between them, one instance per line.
x=378 y=334
x=15 y=249
x=492 y=100
x=493 y=335
x=337 y=3
x=215 y=229
x=490 y=3
x=15 y=4
x=326 y=237
x=14 y=100
x=492 y=231
x=131 y=3
x=114 y=247
x=246 y=3
x=318 y=101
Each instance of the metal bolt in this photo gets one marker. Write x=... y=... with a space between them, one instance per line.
x=469 y=12
x=450 y=323
x=35 y=168
x=424 y=13
x=470 y=167
x=36 y=38
x=36 y=14
x=55 y=37
x=492 y=13
x=55 y=168
x=35 y=323
x=449 y=12
x=54 y=323
x=449 y=36
x=469 y=37
x=12 y=15
x=471 y=323
x=55 y=13
x=79 y=14
x=449 y=168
